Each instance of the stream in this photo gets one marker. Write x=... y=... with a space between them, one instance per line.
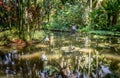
x=62 y=54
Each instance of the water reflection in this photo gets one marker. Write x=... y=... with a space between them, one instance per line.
x=60 y=55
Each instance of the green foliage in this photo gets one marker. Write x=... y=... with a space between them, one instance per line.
x=114 y=28
x=85 y=29
x=69 y=14
x=106 y=16
x=59 y=15
x=98 y=19
x=38 y=35
x=99 y=32
x=7 y=36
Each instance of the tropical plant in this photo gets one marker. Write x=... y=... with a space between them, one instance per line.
x=69 y=14
x=106 y=15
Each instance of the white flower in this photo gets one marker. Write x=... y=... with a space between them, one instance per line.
x=44 y=58
x=47 y=38
x=105 y=69
x=73 y=27
x=42 y=74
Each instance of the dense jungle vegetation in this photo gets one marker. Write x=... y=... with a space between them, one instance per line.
x=50 y=37
x=20 y=18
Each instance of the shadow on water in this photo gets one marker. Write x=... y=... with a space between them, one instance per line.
x=77 y=55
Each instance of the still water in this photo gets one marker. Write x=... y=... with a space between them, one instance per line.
x=62 y=55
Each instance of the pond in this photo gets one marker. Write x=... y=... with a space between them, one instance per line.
x=62 y=55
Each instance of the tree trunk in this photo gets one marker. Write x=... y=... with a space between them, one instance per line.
x=108 y=19
x=114 y=18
